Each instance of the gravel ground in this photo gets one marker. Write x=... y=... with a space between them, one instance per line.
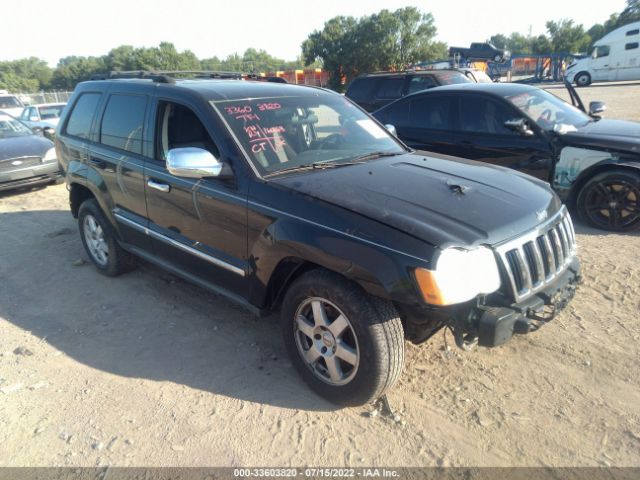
x=147 y=370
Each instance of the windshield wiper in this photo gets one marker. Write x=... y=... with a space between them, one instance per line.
x=379 y=154
x=313 y=166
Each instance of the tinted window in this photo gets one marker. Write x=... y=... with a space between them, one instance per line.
x=397 y=114
x=422 y=82
x=430 y=111
x=631 y=46
x=483 y=115
x=122 y=122
x=633 y=32
x=79 y=123
x=361 y=88
x=391 y=87
x=601 y=51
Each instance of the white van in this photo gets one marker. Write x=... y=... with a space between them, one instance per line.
x=616 y=56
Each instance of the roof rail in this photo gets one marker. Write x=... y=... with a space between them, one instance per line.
x=143 y=74
x=170 y=76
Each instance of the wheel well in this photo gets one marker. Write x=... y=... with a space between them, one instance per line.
x=581 y=73
x=287 y=271
x=77 y=195
x=576 y=187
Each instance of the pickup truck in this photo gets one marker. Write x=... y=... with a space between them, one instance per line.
x=481 y=51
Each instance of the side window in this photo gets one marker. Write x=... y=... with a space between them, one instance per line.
x=79 y=124
x=397 y=114
x=631 y=46
x=633 y=32
x=483 y=115
x=423 y=82
x=361 y=88
x=178 y=126
x=25 y=114
x=601 y=51
x=390 y=87
x=431 y=112
x=123 y=121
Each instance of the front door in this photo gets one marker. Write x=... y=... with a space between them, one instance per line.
x=197 y=225
x=481 y=135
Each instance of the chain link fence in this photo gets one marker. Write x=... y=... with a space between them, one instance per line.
x=44 y=97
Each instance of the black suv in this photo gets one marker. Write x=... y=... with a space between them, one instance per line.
x=290 y=198
x=375 y=90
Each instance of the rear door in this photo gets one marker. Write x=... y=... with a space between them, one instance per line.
x=117 y=160
x=480 y=134
x=423 y=122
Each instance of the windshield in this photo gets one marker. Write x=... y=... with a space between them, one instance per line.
x=50 y=111
x=548 y=111
x=281 y=133
x=10 y=127
x=10 y=102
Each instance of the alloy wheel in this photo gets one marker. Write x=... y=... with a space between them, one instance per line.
x=613 y=204
x=95 y=240
x=326 y=341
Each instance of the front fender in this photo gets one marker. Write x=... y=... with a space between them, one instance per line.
x=378 y=269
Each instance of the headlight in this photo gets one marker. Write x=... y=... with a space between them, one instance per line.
x=460 y=275
x=50 y=155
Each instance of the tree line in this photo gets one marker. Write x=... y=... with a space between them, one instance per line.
x=345 y=47
x=565 y=36
x=33 y=74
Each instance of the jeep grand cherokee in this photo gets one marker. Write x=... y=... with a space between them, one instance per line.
x=291 y=198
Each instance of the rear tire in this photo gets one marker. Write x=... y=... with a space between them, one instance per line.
x=99 y=240
x=347 y=345
x=582 y=79
x=611 y=201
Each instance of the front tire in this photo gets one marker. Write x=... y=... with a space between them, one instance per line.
x=611 y=201
x=582 y=79
x=100 y=242
x=347 y=345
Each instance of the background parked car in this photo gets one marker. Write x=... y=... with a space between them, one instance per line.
x=10 y=104
x=43 y=115
x=374 y=90
x=594 y=164
x=25 y=157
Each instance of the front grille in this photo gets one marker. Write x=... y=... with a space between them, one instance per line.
x=7 y=165
x=535 y=259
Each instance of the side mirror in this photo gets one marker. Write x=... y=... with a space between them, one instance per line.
x=192 y=162
x=49 y=133
x=596 y=108
x=519 y=125
x=391 y=129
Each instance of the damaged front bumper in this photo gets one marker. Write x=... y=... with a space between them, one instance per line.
x=496 y=324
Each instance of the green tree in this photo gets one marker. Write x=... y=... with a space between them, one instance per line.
x=387 y=40
x=565 y=36
x=631 y=13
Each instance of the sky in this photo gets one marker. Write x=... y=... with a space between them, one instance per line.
x=51 y=30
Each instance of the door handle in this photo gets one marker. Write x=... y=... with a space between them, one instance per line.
x=163 y=187
x=98 y=163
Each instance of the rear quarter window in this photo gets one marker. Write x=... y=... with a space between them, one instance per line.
x=79 y=123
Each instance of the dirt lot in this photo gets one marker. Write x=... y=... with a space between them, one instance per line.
x=148 y=370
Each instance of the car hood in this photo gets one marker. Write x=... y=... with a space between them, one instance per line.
x=441 y=200
x=27 y=146
x=607 y=134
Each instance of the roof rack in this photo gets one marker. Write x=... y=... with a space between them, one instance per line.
x=170 y=76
